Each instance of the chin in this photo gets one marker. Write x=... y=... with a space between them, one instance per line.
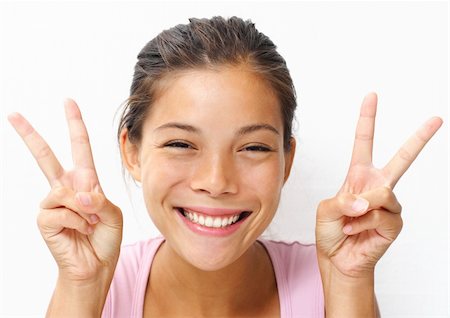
x=210 y=260
x=207 y=253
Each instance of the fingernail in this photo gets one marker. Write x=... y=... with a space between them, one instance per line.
x=94 y=219
x=84 y=199
x=360 y=205
x=347 y=229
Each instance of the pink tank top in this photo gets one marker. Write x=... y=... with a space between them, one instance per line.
x=295 y=266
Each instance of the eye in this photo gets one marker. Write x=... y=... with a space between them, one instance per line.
x=257 y=148
x=178 y=144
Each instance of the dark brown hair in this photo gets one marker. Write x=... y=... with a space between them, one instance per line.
x=205 y=43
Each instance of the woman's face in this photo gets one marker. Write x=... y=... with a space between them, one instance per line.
x=211 y=163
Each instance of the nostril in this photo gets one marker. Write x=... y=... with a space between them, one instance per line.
x=214 y=183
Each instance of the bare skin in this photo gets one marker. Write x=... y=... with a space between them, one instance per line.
x=82 y=229
x=86 y=250
x=356 y=227
x=188 y=291
x=212 y=164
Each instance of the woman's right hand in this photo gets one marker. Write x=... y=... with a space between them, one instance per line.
x=81 y=227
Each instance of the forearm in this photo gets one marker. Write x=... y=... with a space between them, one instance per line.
x=78 y=300
x=348 y=296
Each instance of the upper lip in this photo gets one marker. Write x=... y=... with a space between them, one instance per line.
x=214 y=211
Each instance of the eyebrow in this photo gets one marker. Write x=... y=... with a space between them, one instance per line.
x=181 y=126
x=251 y=128
x=242 y=131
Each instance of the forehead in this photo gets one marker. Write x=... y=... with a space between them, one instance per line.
x=232 y=94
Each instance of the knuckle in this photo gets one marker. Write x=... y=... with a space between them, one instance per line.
x=405 y=155
x=322 y=206
x=386 y=194
x=63 y=216
x=341 y=199
x=400 y=223
x=43 y=204
x=59 y=192
x=41 y=218
x=102 y=202
x=98 y=202
x=82 y=225
x=80 y=139
x=43 y=152
x=377 y=216
x=364 y=137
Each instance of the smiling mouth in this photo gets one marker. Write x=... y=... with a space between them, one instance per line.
x=213 y=221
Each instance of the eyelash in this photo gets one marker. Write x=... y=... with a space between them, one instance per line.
x=183 y=145
x=178 y=144
x=257 y=148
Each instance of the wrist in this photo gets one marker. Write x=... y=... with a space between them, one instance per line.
x=79 y=298
x=348 y=296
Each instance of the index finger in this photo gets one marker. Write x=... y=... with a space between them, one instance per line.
x=406 y=155
x=40 y=150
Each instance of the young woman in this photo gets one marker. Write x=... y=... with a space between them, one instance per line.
x=207 y=132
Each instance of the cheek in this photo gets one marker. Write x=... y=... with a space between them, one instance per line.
x=264 y=179
x=162 y=176
x=159 y=175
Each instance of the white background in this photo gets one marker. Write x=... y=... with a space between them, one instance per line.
x=337 y=52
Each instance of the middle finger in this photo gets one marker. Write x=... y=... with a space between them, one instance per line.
x=81 y=147
x=363 y=145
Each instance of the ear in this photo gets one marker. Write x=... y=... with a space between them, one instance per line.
x=289 y=158
x=130 y=155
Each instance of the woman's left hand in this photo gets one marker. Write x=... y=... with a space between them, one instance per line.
x=356 y=227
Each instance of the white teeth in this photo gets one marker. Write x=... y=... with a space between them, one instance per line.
x=209 y=221
x=224 y=222
x=217 y=222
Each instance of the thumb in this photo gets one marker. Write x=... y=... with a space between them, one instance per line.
x=342 y=204
x=97 y=204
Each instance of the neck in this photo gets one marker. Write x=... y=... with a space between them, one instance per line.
x=244 y=286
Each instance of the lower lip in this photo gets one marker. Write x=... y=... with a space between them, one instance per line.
x=211 y=231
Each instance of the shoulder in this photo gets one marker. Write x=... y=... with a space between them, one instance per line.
x=132 y=255
x=298 y=278
x=130 y=278
x=292 y=253
x=135 y=260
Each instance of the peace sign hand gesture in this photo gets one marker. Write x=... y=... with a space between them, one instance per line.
x=82 y=229
x=356 y=227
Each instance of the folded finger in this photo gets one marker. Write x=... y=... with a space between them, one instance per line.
x=94 y=207
x=344 y=203
x=67 y=198
x=351 y=205
x=53 y=221
x=382 y=198
x=386 y=224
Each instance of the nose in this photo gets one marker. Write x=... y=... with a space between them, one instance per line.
x=215 y=175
